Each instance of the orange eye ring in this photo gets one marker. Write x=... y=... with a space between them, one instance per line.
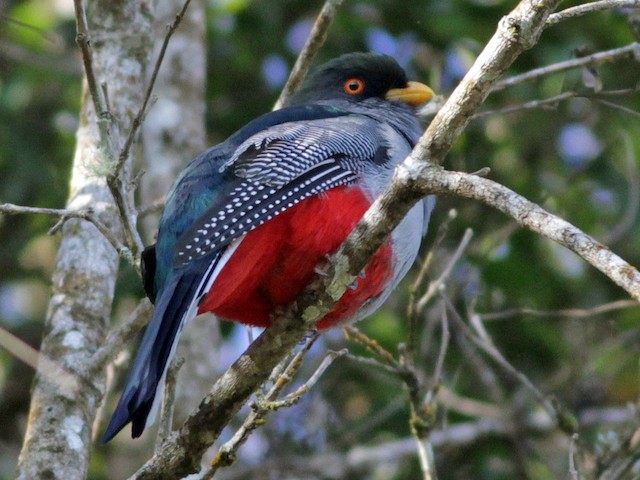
x=354 y=86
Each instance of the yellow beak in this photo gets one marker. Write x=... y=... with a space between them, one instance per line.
x=414 y=93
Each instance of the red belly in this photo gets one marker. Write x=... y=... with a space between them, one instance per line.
x=276 y=261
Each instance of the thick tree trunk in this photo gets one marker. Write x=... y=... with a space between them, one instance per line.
x=63 y=406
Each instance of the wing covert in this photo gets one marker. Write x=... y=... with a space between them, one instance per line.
x=277 y=168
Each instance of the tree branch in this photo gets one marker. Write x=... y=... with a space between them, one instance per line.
x=568 y=313
x=108 y=129
x=181 y=454
x=536 y=219
x=460 y=435
x=137 y=120
x=552 y=102
x=65 y=381
x=84 y=43
x=630 y=51
x=436 y=284
x=227 y=453
x=65 y=214
x=58 y=438
x=121 y=336
x=484 y=342
x=312 y=45
x=590 y=7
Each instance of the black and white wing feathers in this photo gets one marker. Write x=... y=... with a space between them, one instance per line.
x=279 y=167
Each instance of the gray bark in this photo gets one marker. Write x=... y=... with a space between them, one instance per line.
x=174 y=131
x=58 y=439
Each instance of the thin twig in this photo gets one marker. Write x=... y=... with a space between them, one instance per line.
x=260 y=409
x=127 y=218
x=121 y=187
x=121 y=336
x=353 y=333
x=294 y=364
x=632 y=175
x=468 y=406
x=567 y=312
x=552 y=102
x=315 y=40
x=590 y=7
x=107 y=128
x=435 y=285
x=283 y=372
x=412 y=310
x=483 y=341
x=372 y=362
x=423 y=444
x=295 y=396
x=481 y=369
x=84 y=43
x=168 y=402
x=425 y=458
x=49 y=369
x=66 y=214
x=573 y=471
x=619 y=107
x=47 y=35
x=137 y=120
x=630 y=50
x=439 y=368
x=49 y=61
x=422 y=414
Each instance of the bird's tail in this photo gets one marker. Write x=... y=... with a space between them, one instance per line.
x=139 y=401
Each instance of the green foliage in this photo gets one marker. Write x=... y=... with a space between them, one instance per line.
x=579 y=160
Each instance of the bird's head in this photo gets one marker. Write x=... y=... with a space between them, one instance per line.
x=355 y=77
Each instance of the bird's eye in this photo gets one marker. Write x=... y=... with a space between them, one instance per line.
x=354 y=86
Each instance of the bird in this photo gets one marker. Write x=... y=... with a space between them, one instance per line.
x=246 y=223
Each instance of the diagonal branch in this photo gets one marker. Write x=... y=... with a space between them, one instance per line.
x=577 y=313
x=55 y=373
x=630 y=51
x=552 y=102
x=312 y=45
x=137 y=120
x=83 y=40
x=108 y=129
x=181 y=453
x=119 y=178
x=516 y=33
x=536 y=219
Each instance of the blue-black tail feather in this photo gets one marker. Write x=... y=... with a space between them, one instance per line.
x=153 y=355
